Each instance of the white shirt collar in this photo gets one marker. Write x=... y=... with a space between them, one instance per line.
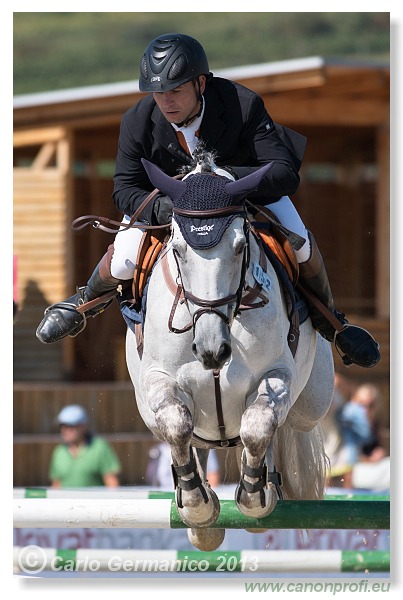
x=189 y=131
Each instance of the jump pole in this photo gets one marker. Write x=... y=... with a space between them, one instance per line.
x=162 y=514
x=247 y=561
x=143 y=494
x=104 y=492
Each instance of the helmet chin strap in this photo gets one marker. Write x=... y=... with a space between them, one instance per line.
x=199 y=99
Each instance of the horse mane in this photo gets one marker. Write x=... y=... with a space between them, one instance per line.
x=202 y=160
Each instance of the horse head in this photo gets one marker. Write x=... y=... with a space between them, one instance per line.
x=211 y=256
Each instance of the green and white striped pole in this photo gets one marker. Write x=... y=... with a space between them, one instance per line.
x=96 y=492
x=34 y=559
x=163 y=514
x=126 y=493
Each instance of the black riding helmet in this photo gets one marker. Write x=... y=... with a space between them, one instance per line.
x=171 y=60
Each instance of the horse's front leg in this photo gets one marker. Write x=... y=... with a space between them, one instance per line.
x=256 y=494
x=197 y=504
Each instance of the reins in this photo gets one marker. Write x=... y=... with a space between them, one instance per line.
x=103 y=222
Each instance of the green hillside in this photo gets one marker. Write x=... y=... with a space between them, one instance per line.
x=61 y=50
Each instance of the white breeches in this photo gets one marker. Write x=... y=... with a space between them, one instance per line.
x=288 y=216
x=126 y=246
x=127 y=242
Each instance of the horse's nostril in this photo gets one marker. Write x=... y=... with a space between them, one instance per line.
x=224 y=353
x=194 y=348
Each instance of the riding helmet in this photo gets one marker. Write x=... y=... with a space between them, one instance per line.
x=171 y=60
x=73 y=415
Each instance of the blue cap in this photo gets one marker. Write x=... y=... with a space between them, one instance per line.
x=72 y=414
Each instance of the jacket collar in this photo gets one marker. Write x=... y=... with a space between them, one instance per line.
x=213 y=126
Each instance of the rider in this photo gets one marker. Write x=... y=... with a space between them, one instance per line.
x=186 y=104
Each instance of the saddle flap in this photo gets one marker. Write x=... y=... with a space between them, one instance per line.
x=151 y=245
x=281 y=247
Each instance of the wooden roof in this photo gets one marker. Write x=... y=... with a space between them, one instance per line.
x=339 y=92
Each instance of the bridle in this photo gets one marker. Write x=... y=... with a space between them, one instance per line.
x=245 y=297
x=212 y=306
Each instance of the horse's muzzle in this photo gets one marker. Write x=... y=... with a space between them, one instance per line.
x=213 y=360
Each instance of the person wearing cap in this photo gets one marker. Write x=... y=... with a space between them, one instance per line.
x=83 y=459
x=187 y=104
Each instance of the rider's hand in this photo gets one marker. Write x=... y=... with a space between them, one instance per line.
x=162 y=210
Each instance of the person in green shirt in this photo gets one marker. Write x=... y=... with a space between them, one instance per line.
x=83 y=459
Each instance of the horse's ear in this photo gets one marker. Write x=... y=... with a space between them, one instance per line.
x=173 y=188
x=242 y=187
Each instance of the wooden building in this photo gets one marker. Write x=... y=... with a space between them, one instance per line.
x=65 y=145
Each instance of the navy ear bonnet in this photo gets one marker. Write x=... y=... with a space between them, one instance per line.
x=204 y=193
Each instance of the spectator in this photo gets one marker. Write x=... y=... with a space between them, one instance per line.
x=356 y=432
x=353 y=438
x=83 y=459
x=159 y=472
x=335 y=448
x=372 y=471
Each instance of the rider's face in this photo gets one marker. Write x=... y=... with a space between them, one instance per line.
x=181 y=103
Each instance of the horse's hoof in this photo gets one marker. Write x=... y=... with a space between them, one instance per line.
x=250 y=504
x=206 y=513
x=206 y=539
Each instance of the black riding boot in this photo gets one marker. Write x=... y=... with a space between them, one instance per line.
x=356 y=344
x=63 y=319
